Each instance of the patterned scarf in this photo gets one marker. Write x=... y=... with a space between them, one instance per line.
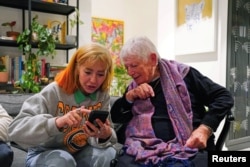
x=140 y=138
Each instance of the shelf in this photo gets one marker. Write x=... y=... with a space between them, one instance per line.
x=39 y=6
x=27 y=7
x=59 y=46
x=14 y=43
x=7 y=87
x=65 y=46
x=8 y=43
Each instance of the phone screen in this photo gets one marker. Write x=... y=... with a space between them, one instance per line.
x=100 y=114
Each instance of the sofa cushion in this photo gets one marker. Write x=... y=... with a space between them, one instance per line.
x=13 y=102
x=19 y=157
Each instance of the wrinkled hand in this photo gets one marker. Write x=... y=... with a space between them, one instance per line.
x=199 y=137
x=142 y=91
x=104 y=131
x=72 y=118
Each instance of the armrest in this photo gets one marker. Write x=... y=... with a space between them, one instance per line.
x=224 y=132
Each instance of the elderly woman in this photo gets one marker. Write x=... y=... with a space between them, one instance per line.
x=165 y=110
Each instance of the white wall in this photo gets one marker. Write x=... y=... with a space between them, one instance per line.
x=212 y=64
x=156 y=19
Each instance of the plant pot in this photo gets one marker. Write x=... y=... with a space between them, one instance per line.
x=12 y=34
x=4 y=77
x=34 y=37
x=71 y=39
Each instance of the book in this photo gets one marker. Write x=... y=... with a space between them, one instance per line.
x=55 y=69
x=43 y=69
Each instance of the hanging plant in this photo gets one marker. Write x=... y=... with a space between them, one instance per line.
x=40 y=36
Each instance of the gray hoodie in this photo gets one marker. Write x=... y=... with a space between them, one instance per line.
x=35 y=125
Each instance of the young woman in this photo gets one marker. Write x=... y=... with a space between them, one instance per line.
x=53 y=123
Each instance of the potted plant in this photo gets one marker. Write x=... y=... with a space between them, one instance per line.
x=121 y=79
x=73 y=21
x=45 y=43
x=3 y=71
x=11 y=33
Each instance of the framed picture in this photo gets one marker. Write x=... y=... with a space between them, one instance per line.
x=109 y=33
x=58 y=29
x=196 y=26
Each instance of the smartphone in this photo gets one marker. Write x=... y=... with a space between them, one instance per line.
x=100 y=114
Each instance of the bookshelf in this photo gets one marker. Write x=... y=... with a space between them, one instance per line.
x=40 y=6
x=29 y=6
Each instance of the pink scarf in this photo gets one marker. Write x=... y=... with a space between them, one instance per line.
x=140 y=138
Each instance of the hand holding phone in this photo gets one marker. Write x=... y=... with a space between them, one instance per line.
x=100 y=114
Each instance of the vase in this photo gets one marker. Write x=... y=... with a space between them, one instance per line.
x=4 y=77
x=71 y=39
x=12 y=34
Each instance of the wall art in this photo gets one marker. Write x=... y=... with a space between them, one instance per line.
x=196 y=26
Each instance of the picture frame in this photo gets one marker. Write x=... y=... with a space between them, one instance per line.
x=195 y=27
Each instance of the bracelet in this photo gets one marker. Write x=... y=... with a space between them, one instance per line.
x=209 y=128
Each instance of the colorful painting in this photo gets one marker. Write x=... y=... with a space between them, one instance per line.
x=109 y=33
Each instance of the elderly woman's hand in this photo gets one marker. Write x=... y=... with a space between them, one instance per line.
x=199 y=137
x=142 y=91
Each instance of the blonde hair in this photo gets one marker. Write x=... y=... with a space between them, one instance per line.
x=68 y=79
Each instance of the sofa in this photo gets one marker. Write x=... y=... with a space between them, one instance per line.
x=12 y=103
